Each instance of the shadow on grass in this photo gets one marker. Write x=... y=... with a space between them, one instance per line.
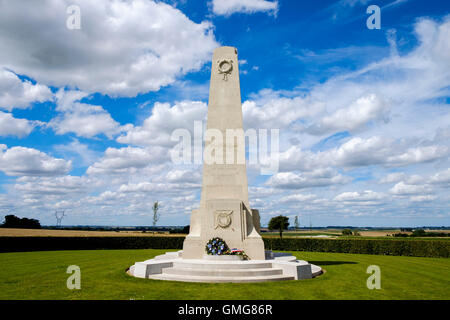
x=330 y=263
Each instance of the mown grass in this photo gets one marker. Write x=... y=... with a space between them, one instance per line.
x=42 y=275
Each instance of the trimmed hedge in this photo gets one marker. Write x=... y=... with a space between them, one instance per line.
x=16 y=244
x=415 y=248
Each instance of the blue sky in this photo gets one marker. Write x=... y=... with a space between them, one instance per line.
x=86 y=115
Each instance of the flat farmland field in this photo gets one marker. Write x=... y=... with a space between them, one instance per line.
x=334 y=233
x=326 y=233
x=11 y=232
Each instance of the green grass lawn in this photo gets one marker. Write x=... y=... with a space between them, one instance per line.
x=42 y=275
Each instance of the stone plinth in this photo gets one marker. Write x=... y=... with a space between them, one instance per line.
x=215 y=269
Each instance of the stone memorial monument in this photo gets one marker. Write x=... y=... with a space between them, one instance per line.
x=224 y=207
x=224 y=210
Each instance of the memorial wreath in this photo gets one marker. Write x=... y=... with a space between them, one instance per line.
x=218 y=246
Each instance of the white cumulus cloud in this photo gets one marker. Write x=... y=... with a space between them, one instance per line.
x=122 y=49
x=317 y=178
x=125 y=160
x=363 y=196
x=165 y=118
x=21 y=161
x=402 y=189
x=85 y=120
x=15 y=93
x=228 y=7
x=10 y=126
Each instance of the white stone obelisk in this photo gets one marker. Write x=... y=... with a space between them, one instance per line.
x=224 y=207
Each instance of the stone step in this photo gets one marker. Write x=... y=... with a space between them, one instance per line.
x=210 y=265
x=316 y=270
x=169 y=255
x=216 y=279
x=224 y=272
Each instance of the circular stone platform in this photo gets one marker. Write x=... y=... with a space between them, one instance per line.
x=213 y=269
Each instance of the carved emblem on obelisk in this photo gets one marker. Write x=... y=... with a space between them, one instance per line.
x=225 y=66
x=223 y=218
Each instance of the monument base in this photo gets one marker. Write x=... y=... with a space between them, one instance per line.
x=276 y=267
x=228 y=219
x=194 y=247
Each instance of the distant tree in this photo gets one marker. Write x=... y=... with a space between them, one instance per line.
x=279 y=223
x=184 y=230
x=11 y=221
x=400 y=235
x=347 y=232
x=296 y=223
x=356 y=233
x=418 y=233
x=155 y=213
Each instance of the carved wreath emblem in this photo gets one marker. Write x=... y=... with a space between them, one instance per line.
x=225 y=67
x=223 y=218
